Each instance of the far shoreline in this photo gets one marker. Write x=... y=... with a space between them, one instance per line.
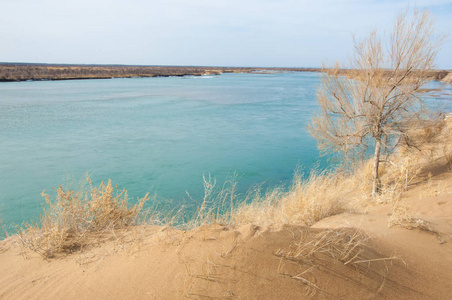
x=20 y=72
x=17 y=72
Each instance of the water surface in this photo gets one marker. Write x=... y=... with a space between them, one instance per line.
x=157 y=135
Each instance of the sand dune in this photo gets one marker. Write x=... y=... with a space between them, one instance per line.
x=347 y=256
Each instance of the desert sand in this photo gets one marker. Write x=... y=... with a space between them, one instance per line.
x=346 y=256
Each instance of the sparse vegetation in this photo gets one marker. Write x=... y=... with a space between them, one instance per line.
x=330 y=193
x=268 y=244
x=69 y=221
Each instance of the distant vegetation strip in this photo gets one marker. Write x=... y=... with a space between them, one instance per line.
x=24 y=71
x=31 y=71
x=439 y=75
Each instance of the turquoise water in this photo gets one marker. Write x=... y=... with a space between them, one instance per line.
x=157 y=135
x=441 y=96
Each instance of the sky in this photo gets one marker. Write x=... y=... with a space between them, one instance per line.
x=259 y=33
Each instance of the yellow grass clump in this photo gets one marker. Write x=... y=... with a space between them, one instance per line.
x=65 y=226
x=305 y=203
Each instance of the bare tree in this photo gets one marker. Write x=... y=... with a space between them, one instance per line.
x=376 y=102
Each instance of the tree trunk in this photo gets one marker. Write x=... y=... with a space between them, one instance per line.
x=375 y=177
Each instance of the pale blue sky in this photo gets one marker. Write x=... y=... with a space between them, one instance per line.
x=286 y=33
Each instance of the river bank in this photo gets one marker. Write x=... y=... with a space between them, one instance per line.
x=25 y=71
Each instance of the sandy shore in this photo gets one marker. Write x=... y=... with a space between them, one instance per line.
x=448 y=78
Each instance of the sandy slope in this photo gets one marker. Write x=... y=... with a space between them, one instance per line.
x=249 y=262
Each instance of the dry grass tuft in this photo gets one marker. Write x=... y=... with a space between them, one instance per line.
x=342 y=244
x=217 y=205
x=335 y=252
x=73 y=217
x=401 y=217
x=306 y=202
x=3 y=232
x=396 y=176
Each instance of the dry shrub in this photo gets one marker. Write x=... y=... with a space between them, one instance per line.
x=401 y=217
x=108 y=211
x=72 y=217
